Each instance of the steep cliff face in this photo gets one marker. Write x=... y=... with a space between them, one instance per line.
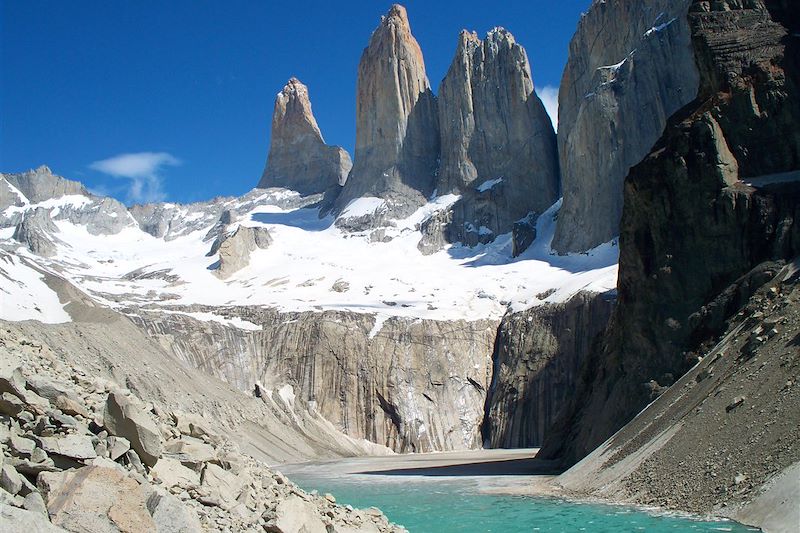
x=630 y=68
x=413 y=385
x=538 y=356
x=719 y=194
x=397 y=129
x=298 y=157
x=498 y=144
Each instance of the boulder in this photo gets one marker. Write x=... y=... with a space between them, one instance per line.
x=173 y=474
x=95 y=499
x=170 y=515
x=10 y=404
x=10 y=480
x=35 y=503
x=124 y=419
x=18 y=520
x=73 y=446
x=222 y=484
x=11 y=379
x=190 y=450
x=295 y=514
x=117 y=447
x=61 y=396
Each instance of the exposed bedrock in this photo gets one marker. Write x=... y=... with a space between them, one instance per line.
x=497 y=142
x=413 y=385
x=397 y=128
x=630 y=68
x=36 y=232
x=26 y=190
x=41 y=184
x=718 y=195
x=538 y=356
x=234 y=248
x=298 y=157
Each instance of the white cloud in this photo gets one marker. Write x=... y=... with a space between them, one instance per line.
x=143 y=169
x=549 y=96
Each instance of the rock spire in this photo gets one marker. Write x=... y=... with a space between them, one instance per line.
x=498 y=147
x=298 y=157
x=397 y=129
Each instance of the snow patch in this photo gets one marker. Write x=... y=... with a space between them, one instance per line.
x=211 y=317
x=657 y=28
x=360 y=207
x=287 y=395
x=70 y=200
x=488 y=185
x=380 y=319
x=25 y=296
x=17 y=192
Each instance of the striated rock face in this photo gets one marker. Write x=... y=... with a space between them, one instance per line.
x=298 y=157
x=35 y=231
x=718 y=195
x=412 y=385
x=235 y=248
x=397 y=129
x=497 y=142
x=630 y=68
x=537 y=361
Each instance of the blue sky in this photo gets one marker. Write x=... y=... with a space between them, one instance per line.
x=151 y=100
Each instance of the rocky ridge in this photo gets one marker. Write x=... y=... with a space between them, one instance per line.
x=81 y=453
x=630 y=67
x=498 y=147
x=298 y=157
x=64 y=199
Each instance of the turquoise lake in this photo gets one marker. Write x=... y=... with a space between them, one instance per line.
x=424 y=504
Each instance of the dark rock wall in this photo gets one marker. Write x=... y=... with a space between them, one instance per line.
x=537 y=360
x=698 y=215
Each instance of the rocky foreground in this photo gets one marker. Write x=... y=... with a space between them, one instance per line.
x=84 y=453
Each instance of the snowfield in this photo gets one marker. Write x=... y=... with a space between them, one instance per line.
x=298 y=271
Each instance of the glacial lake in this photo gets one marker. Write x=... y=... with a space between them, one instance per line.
x=426 y=500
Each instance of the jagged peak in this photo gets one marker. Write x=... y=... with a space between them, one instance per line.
x=468 y=39
x=397 y=15
x=294 y=87
x=500 y=34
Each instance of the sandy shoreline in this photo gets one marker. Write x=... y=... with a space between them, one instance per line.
x=513 y=472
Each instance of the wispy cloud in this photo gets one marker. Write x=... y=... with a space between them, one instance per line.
x=549 y=96
x=143 y=169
